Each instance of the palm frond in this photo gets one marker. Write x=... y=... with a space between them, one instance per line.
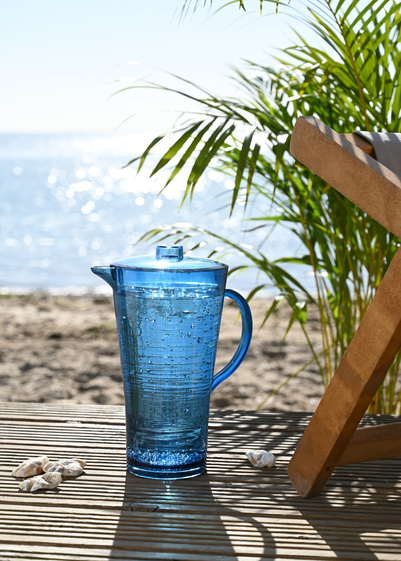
x=351 y=80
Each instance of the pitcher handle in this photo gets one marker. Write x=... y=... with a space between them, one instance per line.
x=245 y=340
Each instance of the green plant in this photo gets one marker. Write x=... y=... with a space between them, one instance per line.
x=241 y=4
x=351 y=83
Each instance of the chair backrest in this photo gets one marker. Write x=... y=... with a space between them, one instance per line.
x=346 y=162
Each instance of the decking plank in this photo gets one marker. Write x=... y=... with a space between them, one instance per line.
x=235 y=511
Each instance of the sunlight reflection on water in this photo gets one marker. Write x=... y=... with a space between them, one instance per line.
x=67 y=203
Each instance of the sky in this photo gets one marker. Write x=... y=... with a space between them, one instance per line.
x=63 y=60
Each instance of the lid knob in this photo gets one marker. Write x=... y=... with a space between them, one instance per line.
x=169 y=252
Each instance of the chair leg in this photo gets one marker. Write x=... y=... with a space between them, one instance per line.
x=373 y=443
x=352 y=388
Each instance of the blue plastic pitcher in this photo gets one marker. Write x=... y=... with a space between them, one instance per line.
x=168 y=310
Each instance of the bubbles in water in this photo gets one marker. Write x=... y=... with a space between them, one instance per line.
x=167 y=410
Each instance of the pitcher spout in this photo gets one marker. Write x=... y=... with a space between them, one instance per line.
x=107 y=274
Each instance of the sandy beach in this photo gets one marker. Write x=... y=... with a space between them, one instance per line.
x=64 y=349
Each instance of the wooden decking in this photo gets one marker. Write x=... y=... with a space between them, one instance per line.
x=234 y=512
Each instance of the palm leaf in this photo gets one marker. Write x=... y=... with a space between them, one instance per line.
x=241 y=167
x=350 y=80
x=171 y=152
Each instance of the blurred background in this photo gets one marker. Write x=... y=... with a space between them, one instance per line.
x=66 y=200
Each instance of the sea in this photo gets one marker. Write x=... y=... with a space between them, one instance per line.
x=68 y=202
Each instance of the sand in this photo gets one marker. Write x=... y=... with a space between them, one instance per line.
x=64 y=349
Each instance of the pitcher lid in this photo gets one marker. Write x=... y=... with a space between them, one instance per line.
x=169 y=257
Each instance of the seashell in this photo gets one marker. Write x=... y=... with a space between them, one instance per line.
x=52 y=480
x=32 y=466
x=67 y=466
x=261 y=458
x=27 y=484
x=46 y=481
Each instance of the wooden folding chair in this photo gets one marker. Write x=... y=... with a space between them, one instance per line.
x=347 y=162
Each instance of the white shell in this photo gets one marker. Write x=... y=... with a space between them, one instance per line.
x=66 y=466
x=261 y=458
x=27 y=484
x=46 y=481
x=32 y=466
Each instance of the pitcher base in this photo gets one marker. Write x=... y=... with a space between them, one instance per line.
x=160 y=466
x=164 y=474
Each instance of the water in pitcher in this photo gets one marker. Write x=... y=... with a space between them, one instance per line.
x=168 y=340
